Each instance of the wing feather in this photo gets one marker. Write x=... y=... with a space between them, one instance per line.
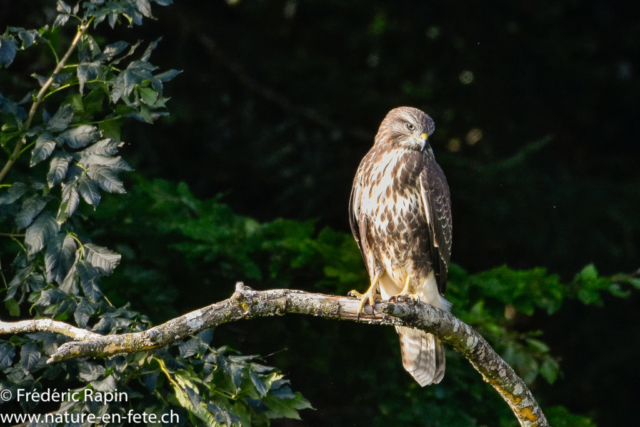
x=354 y=213
x=437 y=200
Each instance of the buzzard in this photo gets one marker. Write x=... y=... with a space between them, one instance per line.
x=400 y=215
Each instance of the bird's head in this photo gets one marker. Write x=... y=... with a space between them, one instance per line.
x=406 y=127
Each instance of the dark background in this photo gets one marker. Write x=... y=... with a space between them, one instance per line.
x=536 y=111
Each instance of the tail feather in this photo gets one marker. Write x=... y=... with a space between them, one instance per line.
x=422 y=355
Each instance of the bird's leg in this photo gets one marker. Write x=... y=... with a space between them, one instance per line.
x=406 y=290
x=407 y=287
x=369 y=296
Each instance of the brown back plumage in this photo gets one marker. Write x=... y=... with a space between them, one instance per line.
x=401 y=219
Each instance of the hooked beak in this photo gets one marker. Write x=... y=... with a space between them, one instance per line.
x=423 y=140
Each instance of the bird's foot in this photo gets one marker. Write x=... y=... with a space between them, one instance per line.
x=404 y=297
x=354 y=294
x=368 y=297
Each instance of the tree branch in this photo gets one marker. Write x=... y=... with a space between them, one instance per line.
x=246 y=303
x=36 y=103
x=47 y=325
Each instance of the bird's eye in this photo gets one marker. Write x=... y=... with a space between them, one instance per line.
x=411 y=127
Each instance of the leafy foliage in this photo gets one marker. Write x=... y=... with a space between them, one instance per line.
x=57 y=271
x=166 y=238
x=208 y=246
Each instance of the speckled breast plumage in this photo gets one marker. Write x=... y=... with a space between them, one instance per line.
x=392 y=203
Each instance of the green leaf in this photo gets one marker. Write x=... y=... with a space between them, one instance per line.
x=93 y=102
x=31 y=207
x=87 y=49
x=167 y=76
x=14 y=193
x=82 y=314
x=257 y=382
x=115 y=163
x=69 y=203
x=12 y=307
x=559 y=416
x=89 y=371
x=106 y=179
x=86 y=72
x=69 y=285
x=61 y=19
x=63 y=7
x=107 y=384
x=105 y=147
x=189 y=348
x=112 y=50
x=89 y=190
x=588 y=273
x=43 y=229
x=89 y=280
x=61 y=119
x=147 y=53
x=45 y=145
x=148 y=96
x=287 y=408
x=538 y=345
x=59 y=257
x=50 y=296
x=101 y=258
x=49 y=341
x=144 y=7
x=56 y=79
x=8 y=49
x=7 y=353
x=28 y=37
x=29 y=356
x=58 y=168
x=549 y=370
x=17 y=281
x=80 y=136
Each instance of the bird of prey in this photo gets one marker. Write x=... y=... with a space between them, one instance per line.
x=400 y=216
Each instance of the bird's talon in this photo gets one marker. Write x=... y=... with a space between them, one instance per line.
x=354 y=294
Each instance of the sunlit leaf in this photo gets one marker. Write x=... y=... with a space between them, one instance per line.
x=7 y=353
x=59 y=257
x=29 y=356
x=89 y=276
x=8 y=49
x=112 y=50
x=58 y=168
x=102 y=258
x=86 y=72
x=43 y=229
x=13 y=193
x=81 y=136
x=106 y=179
x=70 y=202
x=31 y=207
x=45 y=145
x=89 y=190
x=61 y=119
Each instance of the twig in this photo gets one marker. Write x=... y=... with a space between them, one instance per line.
x=43 y=90
x=247 y=304
x=11 y=235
